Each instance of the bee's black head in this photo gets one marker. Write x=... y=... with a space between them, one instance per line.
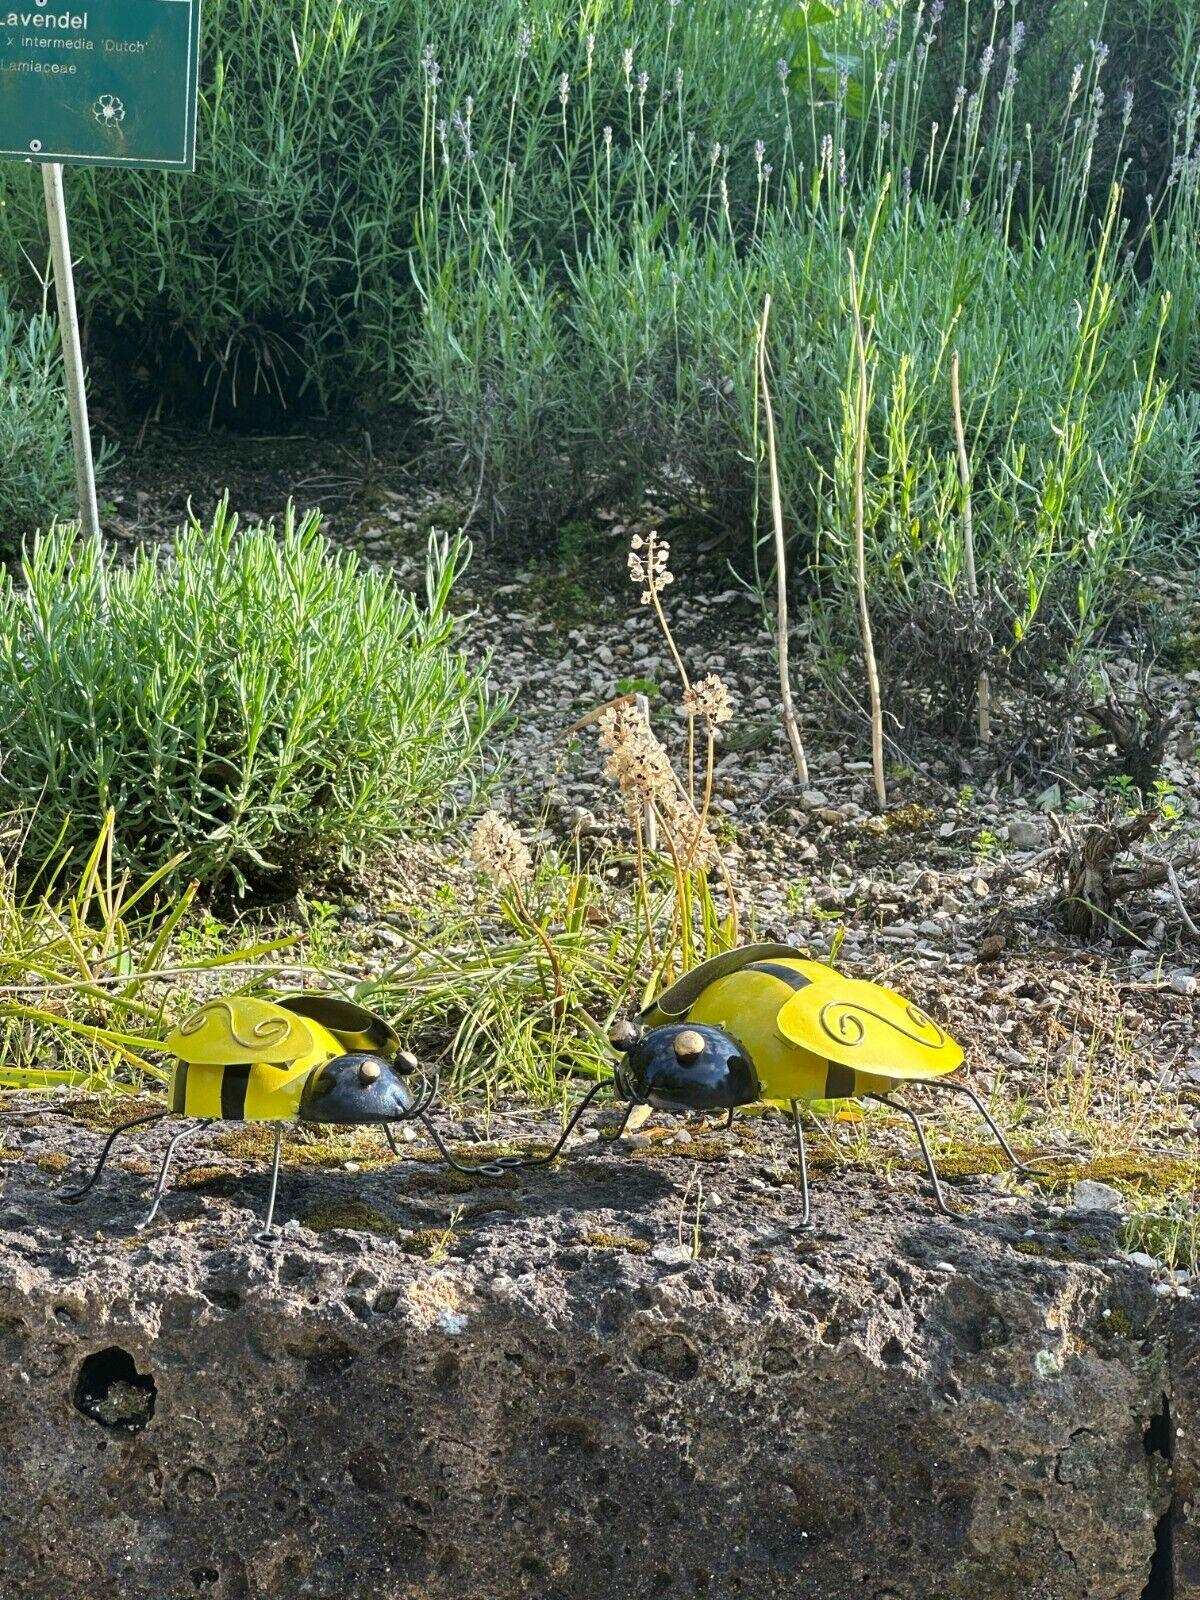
x=359 y=1087
x=683 y=1066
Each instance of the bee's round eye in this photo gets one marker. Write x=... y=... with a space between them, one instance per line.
x=689 y=1046
x=369 y=1072
x=624 y=1035
x=406 y=1062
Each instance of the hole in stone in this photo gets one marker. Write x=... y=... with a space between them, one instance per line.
x=204 y=1577
x=892 y=1353
x=1159 y=1440
x=111 y=1391
x=670 y=1355
x=224 y=1299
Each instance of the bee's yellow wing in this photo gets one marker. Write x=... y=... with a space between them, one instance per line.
x=864 y=1025
x=683 y=994
x=237 y=1029
x=352 y=1025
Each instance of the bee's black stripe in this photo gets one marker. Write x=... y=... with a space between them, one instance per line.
x=794 y=980
x=179 y=1089
x=233 y=1092
x=839 y=1081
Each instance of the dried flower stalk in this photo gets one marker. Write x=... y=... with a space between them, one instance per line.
x=781 y=605
x=860 y=546
x=983 y=695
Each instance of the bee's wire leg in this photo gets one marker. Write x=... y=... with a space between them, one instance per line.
x=729 y=1120
x=964 y=1088
x=391 y=1138
x=802 y=1158
x=625 y=1119
x=502 y=1164
x=512 y=1163
x=488 y=1169
x=898 y=1105
x=74 y=1196
x=266 y=1235
x=186 y=1132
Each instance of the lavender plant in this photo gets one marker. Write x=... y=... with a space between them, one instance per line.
x=615 y=347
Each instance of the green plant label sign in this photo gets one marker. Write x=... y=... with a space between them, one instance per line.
x=108 y=83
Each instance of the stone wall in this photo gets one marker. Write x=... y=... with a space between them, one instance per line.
x=480 y=1390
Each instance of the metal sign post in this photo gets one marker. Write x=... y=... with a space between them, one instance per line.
x=102 y=83
x=68 y=327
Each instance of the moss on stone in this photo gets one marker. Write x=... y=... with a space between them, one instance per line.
x=200 y=1177
x=1117 y=1324
x=1138 y=1171
x=112 y=1110
x=50 y=1161
x=352 y=1214
x=252 y=1141
x=616 y=1241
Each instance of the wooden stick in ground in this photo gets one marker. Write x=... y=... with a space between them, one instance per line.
x=860 y=541
x=785 y=677
x=984 y=694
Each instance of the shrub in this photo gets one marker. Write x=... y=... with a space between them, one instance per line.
x=36 y=475
x=258 y=702
x=280 y=263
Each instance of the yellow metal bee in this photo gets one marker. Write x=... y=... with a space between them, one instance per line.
x=304 y=1058
x=765 y=1023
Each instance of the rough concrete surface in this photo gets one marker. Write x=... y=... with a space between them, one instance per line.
x=481 y=1389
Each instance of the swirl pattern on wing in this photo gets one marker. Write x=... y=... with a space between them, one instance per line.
x=842 y=1021
x=269 y=1031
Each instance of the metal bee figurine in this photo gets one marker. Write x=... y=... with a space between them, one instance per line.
x=765 y=1023
x=306 y=1058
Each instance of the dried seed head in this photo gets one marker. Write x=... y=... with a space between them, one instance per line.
x=647 y=564
x=635 y=761
x=498 y=851
x=709 y=699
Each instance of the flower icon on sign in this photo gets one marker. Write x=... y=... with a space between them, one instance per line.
x=108 y=111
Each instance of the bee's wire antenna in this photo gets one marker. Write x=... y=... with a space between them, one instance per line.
x=523 y=1163
x=624 y=1123
x=488 y=1169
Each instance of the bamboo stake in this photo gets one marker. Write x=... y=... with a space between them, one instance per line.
x=860 y=544
x=984 y=697
x=781 y=605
